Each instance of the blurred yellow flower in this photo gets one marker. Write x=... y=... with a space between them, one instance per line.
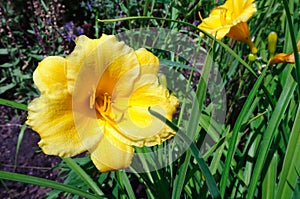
x=286 y=58
x=230 y=19
x=96 y=99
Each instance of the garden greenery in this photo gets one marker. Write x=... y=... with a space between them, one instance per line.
x=228 y=85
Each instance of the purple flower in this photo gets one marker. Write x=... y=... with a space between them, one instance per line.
x=71 y=31
x=89 y=6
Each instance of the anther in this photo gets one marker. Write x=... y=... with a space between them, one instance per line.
x=92 y=98
x=106 y=103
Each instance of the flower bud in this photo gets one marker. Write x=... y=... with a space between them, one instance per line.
x=251 y=57
x=272 y=40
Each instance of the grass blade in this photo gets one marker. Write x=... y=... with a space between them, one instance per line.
x=210 y=181
x=124 y=178
x=294 y=43
x=20 y=138
x=291 y=162
x=236 y=129
x=85 y=177
x=269 y=183
x=276 y=117
x=193 y=126
x=45 y=183
x=13 y=104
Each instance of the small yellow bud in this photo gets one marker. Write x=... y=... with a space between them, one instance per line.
x=272 y=41
x=251 y=57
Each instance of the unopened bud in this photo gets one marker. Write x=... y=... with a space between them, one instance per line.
x=251 y=57
x=272 y=41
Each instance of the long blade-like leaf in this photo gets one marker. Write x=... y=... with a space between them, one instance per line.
x=291 y=162
x=236 y=130
x=45 y=183
x=277 y=116
x=13 y=104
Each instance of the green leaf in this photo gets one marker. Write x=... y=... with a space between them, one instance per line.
x=7 y=87
x=3 y=51
x=269 y=183
x=236 y=130
x=85 y=177
x=228 y=49
x=209 y=179
x=124 y=178
x=13 y=104
x=45 y=183
x=20 y=138
x=193 y=126
x=294 y=42
x=291 y=162
x=273 y=124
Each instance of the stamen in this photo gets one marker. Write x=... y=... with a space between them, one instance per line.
x=200 y=16
x=104 y=106
x=105 y=109
x=106 y=103
x=92 y=98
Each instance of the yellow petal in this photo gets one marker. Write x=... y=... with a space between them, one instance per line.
x=290 y=58
x=241 y=10
x=223 y=17
x=282 y=57
x=122 y=71
x=50 y=72
x=93 y=55
x=52 y=118
x=137 y=126
x=278 y=58
x=83 y=47
x=88 y=128
x=101 y=68
x=111 y=154
x=213 y=24
x=149 y=63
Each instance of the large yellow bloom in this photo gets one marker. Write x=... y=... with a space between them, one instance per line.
x=230 y=19
x=96 y=99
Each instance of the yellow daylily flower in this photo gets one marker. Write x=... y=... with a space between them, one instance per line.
x=96 y=99
x=230 y=19
x=286 y=58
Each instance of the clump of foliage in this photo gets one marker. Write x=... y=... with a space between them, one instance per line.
x=255 y=150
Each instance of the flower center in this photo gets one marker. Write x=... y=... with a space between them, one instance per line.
x=103 y=105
